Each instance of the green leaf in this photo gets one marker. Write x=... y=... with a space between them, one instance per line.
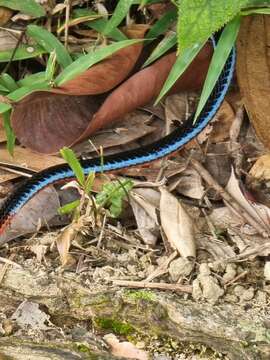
x=182 y=62
x=30 y=7
x=99 y=25
x=112 y=195
x=9 y=132
x=165 y=44
x=49 y=42
x=32 y=79
x=162 y=24
x=8 y=82
x=74 y=163
x=50 y=68
x=89 y=183
x=23 y=52
x=85 y=62
x=198 y=19
x=120 y=12
x=265 y=11
x=4 y=107
x=26 y=90
x=221 y=53
x=68 y=208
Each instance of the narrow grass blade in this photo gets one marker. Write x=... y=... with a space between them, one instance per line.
x=120 y=12
x=27 y=90
x=8 y=82
x=162 y=24
x=9 y=132
x=99 y=25
x=74 y=163
x=49 y=42
x=265 y=11
x=165 y=44
x=23 y=52
x=182 y=62
x=30 y=7
x=50 y=68
x=221 y=53
x=85 y=62
x=4 y=107
x=32 y=79
x=68 y=208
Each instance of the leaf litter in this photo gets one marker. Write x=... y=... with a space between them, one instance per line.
x=185 y=236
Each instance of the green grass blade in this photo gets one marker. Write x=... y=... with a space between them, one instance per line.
x=162 y=24
x=50 y=68
x=120 y=12
x=74 y=163
x=221 y=53
x=23 y=52
x=68 y=208
x=49 y=42
x=265 y=11
x=8 y=82
x=182 y=62
x=85 y=62
x=32 y=79
x=165 y=44
x=4 y=107
x=99 y=25
x=30 y=7
x=9 y=132
x=27 y=90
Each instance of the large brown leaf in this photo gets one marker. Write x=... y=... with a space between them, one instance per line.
x=56 y=120
x=253 y=72
x=145 y=85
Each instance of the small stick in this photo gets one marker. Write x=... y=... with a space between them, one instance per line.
x=228 y=198
x=240 y=276
x=147 y=285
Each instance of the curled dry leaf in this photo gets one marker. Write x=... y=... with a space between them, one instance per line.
x=145 y=214
x=177 y=225
x=64 y=241
x=261 y=169
x=38 y=211
x=253 y=68
x=259 y=212
x=5 y=15
x=57 y=120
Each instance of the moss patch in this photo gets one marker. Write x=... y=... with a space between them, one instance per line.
x=140 y=295
x=116 y=326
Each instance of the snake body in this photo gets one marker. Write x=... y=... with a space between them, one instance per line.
x=163 y=147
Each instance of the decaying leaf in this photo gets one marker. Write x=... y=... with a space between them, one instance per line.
x=261 y=169
x=259 y=212
x=177 y=224
x=5 y=15
x=253 y=68
x=38 y=211
x=145 y=214
x=65 y=239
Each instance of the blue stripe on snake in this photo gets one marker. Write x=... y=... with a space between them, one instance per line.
x=163 y=147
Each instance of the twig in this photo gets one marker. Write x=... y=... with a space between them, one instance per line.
x=161 y=286
x=240 y=276
x=228 y=198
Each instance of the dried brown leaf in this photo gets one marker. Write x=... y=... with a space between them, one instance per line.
x=177 y=224
x=253 y=68
x=261 y=169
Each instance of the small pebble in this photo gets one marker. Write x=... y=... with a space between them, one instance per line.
x=180 y=268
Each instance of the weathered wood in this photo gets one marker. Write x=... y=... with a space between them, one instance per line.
x=230 y=329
